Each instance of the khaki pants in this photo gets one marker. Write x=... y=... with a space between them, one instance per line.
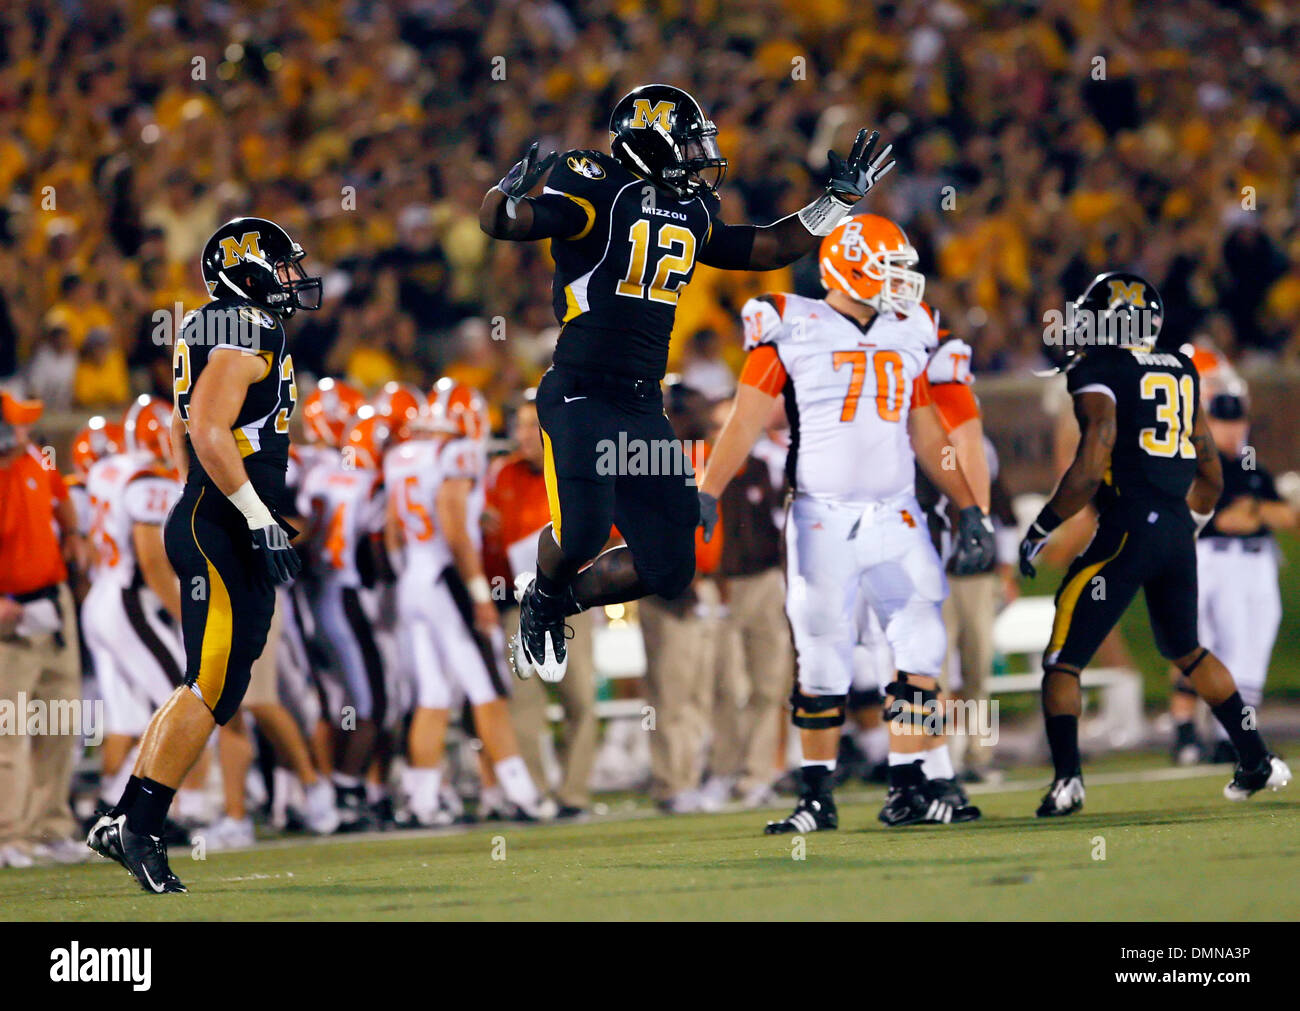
x=754 y=676
x=678 y=679
x=36 y=771
x=528 y=701
x=968 y=615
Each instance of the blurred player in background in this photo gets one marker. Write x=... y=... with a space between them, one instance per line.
x=1147 y=460
x=852 y=368
x=1240 y=607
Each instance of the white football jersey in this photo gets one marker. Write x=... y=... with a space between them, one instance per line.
x=849 y=391
x=413 y=473
x=124 y=489
x=350 y=503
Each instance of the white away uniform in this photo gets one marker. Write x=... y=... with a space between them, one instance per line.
x=445 y=654
x=856 y=533
x=347 y=506
x=136 y=651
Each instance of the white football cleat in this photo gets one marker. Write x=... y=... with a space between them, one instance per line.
x=539 y=645
x=1271 y=774
x=320 y=810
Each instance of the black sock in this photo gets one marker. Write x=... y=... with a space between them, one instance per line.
x=1186 y=734
x=128 y=797
x=816 y=780
x=1063 y=739
x=148 y=811
x=907 y=774
x=1233 y=716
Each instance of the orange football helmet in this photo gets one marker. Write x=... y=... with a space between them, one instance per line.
x=458 y=409
x=329 y=409
x=365 y=440
x=402 y=406
x=97 y=440
x=869 y=259
x=148 y=428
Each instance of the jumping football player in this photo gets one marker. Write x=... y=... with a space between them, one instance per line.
x=627 y=231
x=1146 y=460
x=234 y=392
x=852 y=370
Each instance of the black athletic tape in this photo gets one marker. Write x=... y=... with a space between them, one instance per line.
x=817 y=712
x=902 y=701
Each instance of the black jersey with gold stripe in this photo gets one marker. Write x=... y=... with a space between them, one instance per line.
x=618 y=278
x=261 y=429
x=1157 y=397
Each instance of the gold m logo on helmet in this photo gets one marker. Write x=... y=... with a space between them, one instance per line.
x=643 y=115
x=1134 y=294
x=234 y=251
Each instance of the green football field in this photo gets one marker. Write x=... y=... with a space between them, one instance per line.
x=1153 y=843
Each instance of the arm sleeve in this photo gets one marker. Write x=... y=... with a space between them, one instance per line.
x=728 y=247
x=557 y=215
x=921 y=392
x=763 y=370
x=957 y=404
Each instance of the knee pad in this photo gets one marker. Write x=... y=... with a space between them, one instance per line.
x=909 y=703
x=817 y=712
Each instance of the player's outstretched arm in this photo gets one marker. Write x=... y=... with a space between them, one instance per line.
x=767 y=247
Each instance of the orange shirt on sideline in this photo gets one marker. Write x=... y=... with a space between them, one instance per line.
x=30 y=558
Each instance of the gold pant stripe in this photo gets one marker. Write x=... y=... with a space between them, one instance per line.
x=1070 y=597
x=217 y=629
x=241 y=440
x=552 y=487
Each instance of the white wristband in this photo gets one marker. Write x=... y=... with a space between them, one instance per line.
x=246 y=500
x=1202 y=519
x=479 y=591
x=822 y=215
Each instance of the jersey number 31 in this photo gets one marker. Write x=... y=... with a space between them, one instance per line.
x=1175 y=411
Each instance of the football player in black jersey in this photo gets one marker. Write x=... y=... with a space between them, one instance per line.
x=234 y=393
x=627 y=230
x=1147 y=462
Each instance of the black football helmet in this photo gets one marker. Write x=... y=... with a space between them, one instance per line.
x=661 y=134
x=254 y=258
x=1121 y=308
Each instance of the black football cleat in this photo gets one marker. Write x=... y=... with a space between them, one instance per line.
x=1064 y=796
x=354 y=811
x=950 y=792
x=811 y=814
x=914 y=804
x=1272 y=773
x=145 y=856
x=99 y=838
x=540 y=644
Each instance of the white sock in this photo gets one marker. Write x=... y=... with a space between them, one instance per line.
x=828 y=763
x=422 y=786
x=513 y=776
x=937 y=763
x=375 y=792
x=492 y=798
x=345 y=782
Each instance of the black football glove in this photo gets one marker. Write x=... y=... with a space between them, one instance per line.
x=708 y=515
x=1034 y=539
x=851 y=179
x=525 y=173
x=975 y=542
x=280 y=563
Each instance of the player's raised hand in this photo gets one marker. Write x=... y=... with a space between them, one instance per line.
x=975 y=542
x=852 y=178
x=525 y=173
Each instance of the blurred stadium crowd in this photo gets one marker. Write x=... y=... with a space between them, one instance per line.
x=1037 y=142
